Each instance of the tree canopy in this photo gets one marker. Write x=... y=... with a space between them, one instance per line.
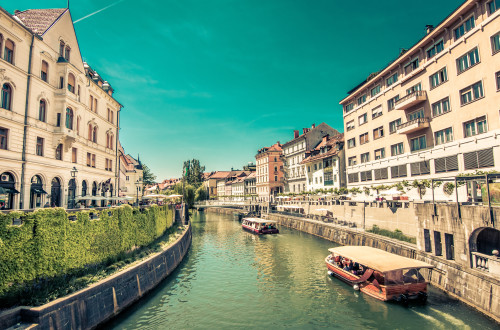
x=148 y=177
x=193 y=172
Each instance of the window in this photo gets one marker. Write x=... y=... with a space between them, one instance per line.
x=353 y=177
x=378 y=132
x=397 y=149
x=78 y=125
x=435 y=49
x=111 y=116
x=399 y=171
x=69 y=118
x=495 y=43
x=95 y=104
x=41 y=111
x=375 y=90
x=498 y=80
x=365 y=158
x=391 y=104
x=365 y=176
x=377 y=112
x=94 y=134
x=468 y=60
x=3 y=138
x=475 y=127
x=380 y=153
x=61 y=48
x=91 y=103
x=93 y=160
x=71 y=83
x=493 y=6
x=416 y=114
x=351 y=143
x=479 y=159
x=349 y=107
x=418 y=143
x=59 y=152
x=413 y=89
x=441 y=107
x=450 y=246
x=109 y=165
x=412 y=65
x=427 y=240
x=110 y=139
x=67 y=52
x=381 y=174
x=392 y=79
x=90 y=132
x=438 y=78
x=361 y=99
x=45 y=71
x=471 y=93
x=7 y=97
x=315 y=167
x=446 y=164
x=74 y=153
x=463 y=28
x=39 y=146
x=349 y=125
x=58 y=119
x=393 y=125
x=89 y=159
x=352 y=161
x=443 y=136
x=275 y=177
x=363 y=138
x=420 y=168
x=8 y=52
x=437 y=243
x=362 y=119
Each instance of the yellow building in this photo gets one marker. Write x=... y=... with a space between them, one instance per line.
x=56 y=114
x=434 y=111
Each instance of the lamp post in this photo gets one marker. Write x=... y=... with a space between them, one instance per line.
x=138 y=187
x=73 y=172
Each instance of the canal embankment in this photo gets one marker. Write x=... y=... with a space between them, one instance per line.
x=471 y=286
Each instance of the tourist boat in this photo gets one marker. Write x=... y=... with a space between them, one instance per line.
x=259 y=226
x=379 y=274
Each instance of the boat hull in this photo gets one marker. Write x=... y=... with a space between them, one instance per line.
x=261 y=231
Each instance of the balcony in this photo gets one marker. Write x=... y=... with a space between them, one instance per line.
x=410 y=100
x=413 y=126
x=65 y=136
x=486 y=263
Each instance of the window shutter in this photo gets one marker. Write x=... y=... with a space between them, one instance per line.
x=384 y=173
x=402 y=171
x=440 y=165
x=377 y=174
x=485 y=158
x=363 y=176
x=394 y=172
x=368 y=175
x=415 y=169
x=470 y=160
x=424 y=167
x=452 y=163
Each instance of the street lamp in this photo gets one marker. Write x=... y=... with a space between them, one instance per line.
x=138 y=187
x=73 y=172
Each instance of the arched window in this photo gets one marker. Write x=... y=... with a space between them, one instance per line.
x=55 y=193
x=84 y=188
x=36 y=192
x=1 y=42
x=44 y=74
x=7 y=182
x=61 y=49
x=67 y=52
x=59 y=152
x=71 y=83
x=94 y=134
x=78 y=119
x=8 y=52
x=90 y=132
x=69 y=118
x=42 y=111
x=6 y=96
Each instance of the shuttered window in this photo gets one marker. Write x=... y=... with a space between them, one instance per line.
x=420 y=168
x=479 y=159
x=399 y=171
x=446 y=164
x=353 y=177
x=381 y=173
x=366 y=176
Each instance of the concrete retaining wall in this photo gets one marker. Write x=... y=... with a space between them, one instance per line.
x=92 y=306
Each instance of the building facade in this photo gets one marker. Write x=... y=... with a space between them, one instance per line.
x=131 y=176
x=325 y=164
x=250 y=185
x=294 y=152
x=434 y=111
x=269 y=174
x=57 y=115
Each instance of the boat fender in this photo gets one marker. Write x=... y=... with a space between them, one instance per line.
x=330 y=273
x=355 y=287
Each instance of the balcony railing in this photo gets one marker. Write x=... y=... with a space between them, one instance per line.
x=413 y=125
x=410 y=100
x=486 y=263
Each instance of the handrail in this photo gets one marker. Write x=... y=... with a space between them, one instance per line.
x=414 y=94
x=414 y=121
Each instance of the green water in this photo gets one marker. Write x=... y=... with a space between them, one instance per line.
x=233 y=279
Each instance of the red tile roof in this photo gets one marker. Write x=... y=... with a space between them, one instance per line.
x=329 y=144
x=39 y=20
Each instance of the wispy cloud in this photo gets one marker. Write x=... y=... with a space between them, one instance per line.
x=98 y=11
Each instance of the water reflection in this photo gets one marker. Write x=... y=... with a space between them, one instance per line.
x=234 y=279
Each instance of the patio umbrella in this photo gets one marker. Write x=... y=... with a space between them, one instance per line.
x=174 y=196
x=391 y=192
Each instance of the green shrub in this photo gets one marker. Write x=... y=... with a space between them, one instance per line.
x=396 y=234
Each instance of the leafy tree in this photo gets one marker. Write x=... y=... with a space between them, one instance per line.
x=193 y=172
x=147 y=176
x=201 y=193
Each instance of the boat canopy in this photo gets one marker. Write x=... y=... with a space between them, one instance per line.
x=259 y=220
x=377 y=259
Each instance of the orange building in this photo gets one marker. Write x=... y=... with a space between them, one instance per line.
x=269 y=172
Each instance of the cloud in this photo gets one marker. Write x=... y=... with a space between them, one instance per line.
x=98 y=11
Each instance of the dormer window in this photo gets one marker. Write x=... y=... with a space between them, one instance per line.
x=61 y=49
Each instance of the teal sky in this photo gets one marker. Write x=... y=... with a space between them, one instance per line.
x=218 y=79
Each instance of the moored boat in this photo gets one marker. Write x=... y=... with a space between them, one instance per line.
x=379 y=274
x=259 y=226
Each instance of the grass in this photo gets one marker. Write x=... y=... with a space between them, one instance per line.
x=44 y=290
x=396 y=234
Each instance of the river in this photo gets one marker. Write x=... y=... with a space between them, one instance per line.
x=233 y=279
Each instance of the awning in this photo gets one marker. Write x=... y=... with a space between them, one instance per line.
x=6 y=190
x=38 y=190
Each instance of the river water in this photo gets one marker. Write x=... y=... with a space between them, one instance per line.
x=233 y=279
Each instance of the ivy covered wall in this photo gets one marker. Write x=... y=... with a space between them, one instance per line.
x=50 y=242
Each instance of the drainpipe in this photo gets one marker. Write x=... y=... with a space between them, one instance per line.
x=117 y=161
x=25 y=133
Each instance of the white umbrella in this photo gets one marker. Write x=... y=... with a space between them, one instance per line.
x=152 y=188
x=174 y=196
x=391 y=192
x=155 y=196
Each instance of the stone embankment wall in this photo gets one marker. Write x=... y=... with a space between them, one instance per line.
x=468 y=285
x=98 y=303
x=222 y=210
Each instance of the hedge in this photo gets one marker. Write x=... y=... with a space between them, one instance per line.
x=51 y=242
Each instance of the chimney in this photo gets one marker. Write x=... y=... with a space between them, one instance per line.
x=295 y=133
x=313 y=125
x=305 y=130
x=429 y=28
x=325 y=138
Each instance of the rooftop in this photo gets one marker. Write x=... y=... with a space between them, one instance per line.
x=39 y=20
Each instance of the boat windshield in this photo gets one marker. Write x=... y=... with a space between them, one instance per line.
x=404 y=276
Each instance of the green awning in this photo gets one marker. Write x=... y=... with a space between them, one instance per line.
x=6 y=190
x=38 y=190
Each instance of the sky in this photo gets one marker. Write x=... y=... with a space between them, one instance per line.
x=216 y=80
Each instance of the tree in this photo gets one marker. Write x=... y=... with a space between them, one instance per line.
x=193 y=172
x=201 y=193
x=147 y=176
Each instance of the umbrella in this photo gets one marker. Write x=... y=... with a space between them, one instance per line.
x=391 y=192
x=174 y=196
x=155 y=196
